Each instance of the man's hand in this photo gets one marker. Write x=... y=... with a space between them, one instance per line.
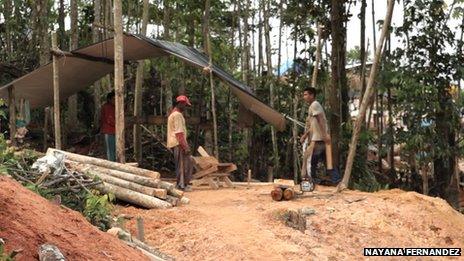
x=188 y=151
x=303 y=138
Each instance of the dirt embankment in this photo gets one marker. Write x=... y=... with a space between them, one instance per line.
x=28 y=220
x=244 y=224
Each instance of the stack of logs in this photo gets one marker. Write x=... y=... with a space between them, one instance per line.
x=282 y=192
x=127 y=183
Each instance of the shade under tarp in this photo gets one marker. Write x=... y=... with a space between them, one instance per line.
x=89 y=64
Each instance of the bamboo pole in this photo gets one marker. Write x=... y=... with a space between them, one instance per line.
x=365 y=101
x=138 y=91
x=119 y=81
x=12 y=107
x=56 y=94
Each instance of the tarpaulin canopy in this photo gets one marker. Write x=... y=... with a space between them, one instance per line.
x=82 y=67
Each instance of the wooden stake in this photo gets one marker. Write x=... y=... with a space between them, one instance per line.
x=12 y=107
x=249 y=177
x=365 y=101
x=140 y=229
x=56 y=93
x=119 y=81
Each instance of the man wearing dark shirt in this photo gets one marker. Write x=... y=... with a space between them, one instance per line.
x=108 y=126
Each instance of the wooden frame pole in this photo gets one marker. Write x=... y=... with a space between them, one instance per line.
x=12 y=107
x=56 y=93
x=119 y=81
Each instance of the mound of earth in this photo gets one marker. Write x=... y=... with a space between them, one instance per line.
x=245 y=224
x=27 y=221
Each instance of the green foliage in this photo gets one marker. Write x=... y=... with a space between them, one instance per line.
x=5 y=256
x=98 y=209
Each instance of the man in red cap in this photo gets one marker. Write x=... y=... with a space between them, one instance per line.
x=177 y=141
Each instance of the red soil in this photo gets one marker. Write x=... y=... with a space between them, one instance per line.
x=27 y=220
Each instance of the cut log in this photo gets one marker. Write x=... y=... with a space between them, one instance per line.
x=184 y=201
x=107 y=164
x=173 y=200
x=166 y=185
x=84 y=168
x=277 y=194
x=133 y=196
x=176 y=193
x=159 y=193
x=289 y=194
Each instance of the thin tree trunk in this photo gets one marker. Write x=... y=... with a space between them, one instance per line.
x=295 y=116
x=138 y=91
x=369 y=92
x=97 y=85
x=232 y=66
x=270 y=81
x=61 y=30
x=72 y=100
x=318 y=56
x=56 y=94
x=337 y=13
x=167 y=81
x=7 y=10
x=119 y=81
x=363 y=47
x=206 y=35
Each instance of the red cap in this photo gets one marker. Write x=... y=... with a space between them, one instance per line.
x=183 y=98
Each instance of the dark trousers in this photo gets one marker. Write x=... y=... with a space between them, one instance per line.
x=184 y=167
x=318 y=156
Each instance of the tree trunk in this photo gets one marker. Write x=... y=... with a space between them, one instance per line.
x=207 y=46
x=107 y=164
x=363 y=47
x=232 y=69
x=56 y=94
x=96 y=35
x=119 y=81
x=367 y=97
x=61 y=27
x=7 y=10
x=167 y=81
x=133 y=197
x=318 y=56
x=270 y=81
x=138 y=91
x=336 y=86
x=72 y=100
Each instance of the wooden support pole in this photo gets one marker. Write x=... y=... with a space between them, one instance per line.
x=366 y=98
x=12 y=107
x=119 y=81
x=45 y=128
x=56 y=94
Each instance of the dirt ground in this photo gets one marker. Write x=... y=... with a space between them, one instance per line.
x=245 y=224
x=27 y=220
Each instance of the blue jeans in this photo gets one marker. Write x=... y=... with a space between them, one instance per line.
x=110 y=146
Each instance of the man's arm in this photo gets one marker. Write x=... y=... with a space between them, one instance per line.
x=320 y=121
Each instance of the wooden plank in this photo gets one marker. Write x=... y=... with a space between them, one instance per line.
x=205 y=172
x=203 y=152
x=205 y=162
x=228 y=182
x=212 y=183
